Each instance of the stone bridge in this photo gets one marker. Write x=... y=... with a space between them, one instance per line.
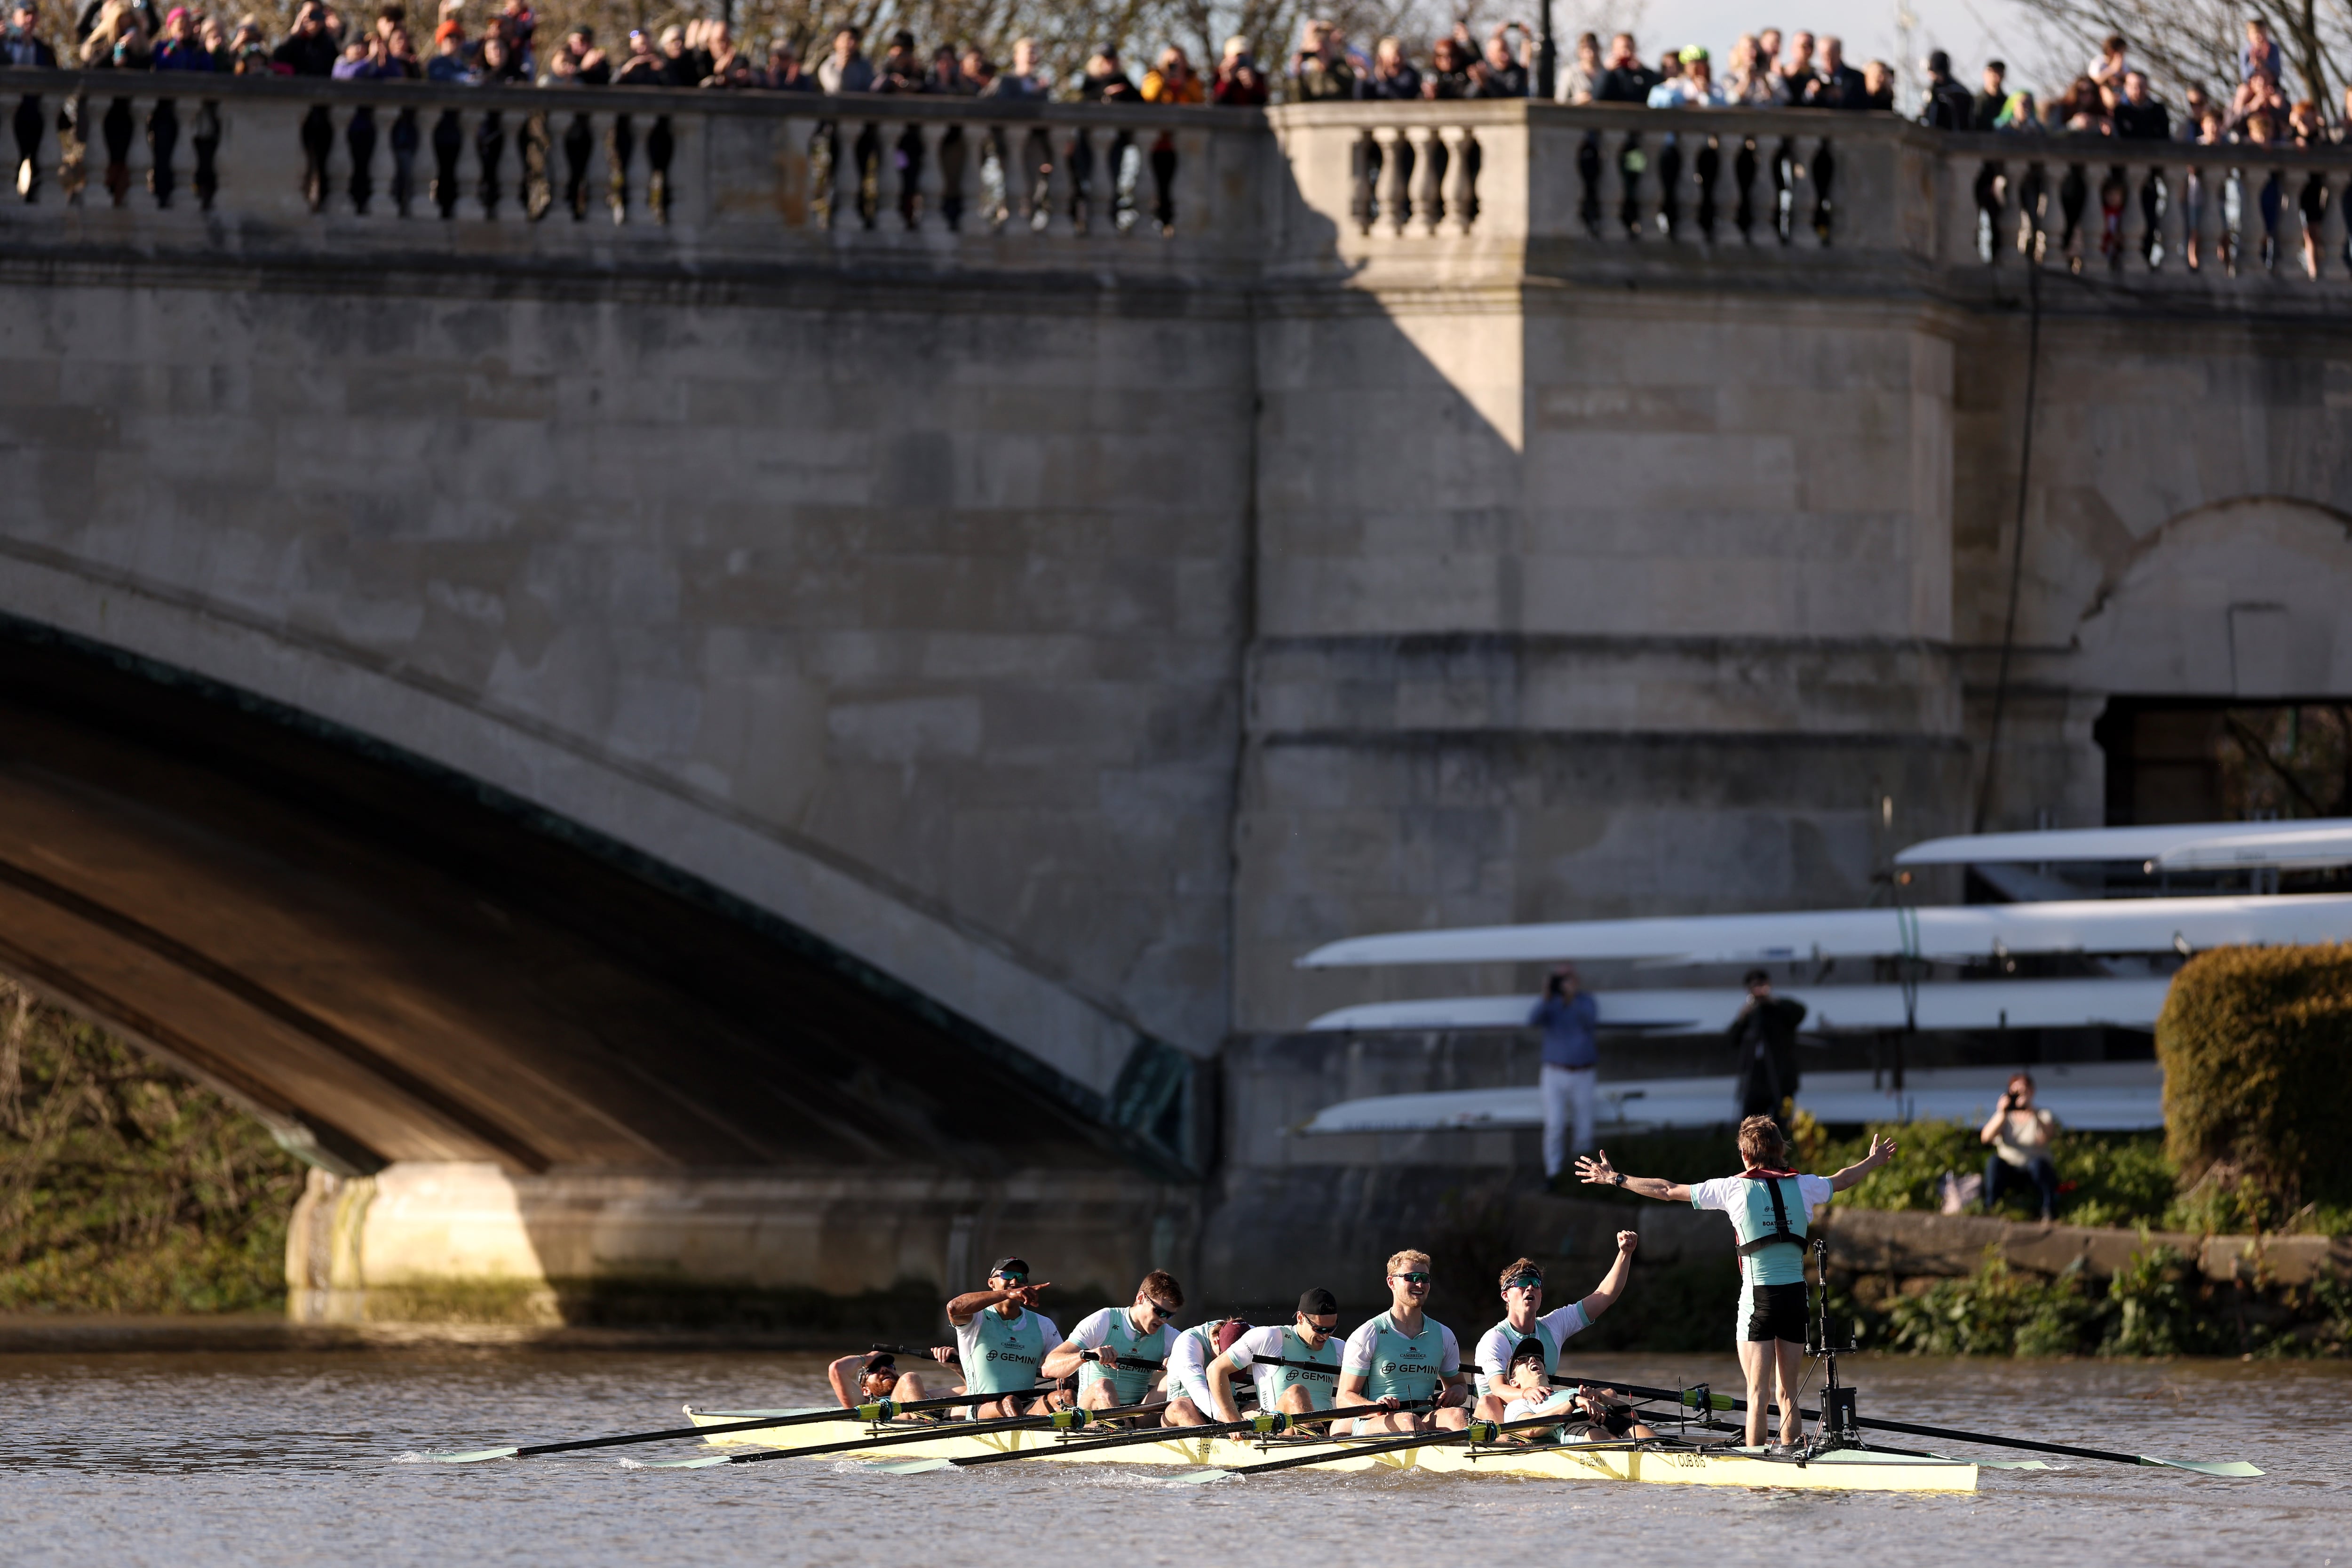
x=694 y=690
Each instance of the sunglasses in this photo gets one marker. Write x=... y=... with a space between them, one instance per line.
x=1015 y=1279
x=1525 y=1282
x=1411 y=1278
x=1157 y=1312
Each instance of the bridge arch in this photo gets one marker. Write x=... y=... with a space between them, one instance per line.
x=446 y=939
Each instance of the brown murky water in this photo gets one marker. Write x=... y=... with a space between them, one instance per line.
x=254 y=1458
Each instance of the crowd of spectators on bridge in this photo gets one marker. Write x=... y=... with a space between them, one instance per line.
x=1763 y=70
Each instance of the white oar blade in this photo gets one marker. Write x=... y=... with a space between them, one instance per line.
x=1200 y=1478
x=2205 y=1467
x=474 y=1458
x=913 y=1466
x=2008 y=1464
x=701 y=1464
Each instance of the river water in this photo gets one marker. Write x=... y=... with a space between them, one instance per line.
x=273 y=1458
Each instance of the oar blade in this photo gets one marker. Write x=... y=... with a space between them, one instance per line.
x=1200 y=1478
x=912 y=1466
x=474 y=1457
x=701 y=1464
x=2205 y=1467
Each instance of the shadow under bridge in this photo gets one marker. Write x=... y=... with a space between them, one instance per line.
x=386 y=960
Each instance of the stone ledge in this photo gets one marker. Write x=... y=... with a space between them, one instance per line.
x=1913 y=1243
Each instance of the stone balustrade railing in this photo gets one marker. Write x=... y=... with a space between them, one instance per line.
x=734 y=177
x=1451 y=190
x=1560 y=189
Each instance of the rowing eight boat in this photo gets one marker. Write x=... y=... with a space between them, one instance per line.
x=1844 y=1470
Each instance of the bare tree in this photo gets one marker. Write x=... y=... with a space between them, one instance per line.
x=2178 y=42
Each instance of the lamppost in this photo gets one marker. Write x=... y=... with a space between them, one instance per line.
x=1547 y=56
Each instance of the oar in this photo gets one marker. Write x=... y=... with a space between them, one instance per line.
x=1061 y=1420
x=1089 y=1355
x=1687 y=1396
x=1264 y=1422
x=1331 y=1368
x=1475 y=1432
x=876 y=1410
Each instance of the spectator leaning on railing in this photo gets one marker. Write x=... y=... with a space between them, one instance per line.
x=1240 y=84
x=22 y=45
x=1694 y=87
x=1946 y=105
x=1626 y=80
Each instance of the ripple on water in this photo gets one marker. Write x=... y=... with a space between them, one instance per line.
x=199 y=1459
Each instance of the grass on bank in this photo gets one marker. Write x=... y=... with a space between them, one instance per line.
x=123 y=1187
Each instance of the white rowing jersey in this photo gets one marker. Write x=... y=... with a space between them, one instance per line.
x=1000 y=1354
x=1552 y=1329
x=1187 y=1365
x=1394 y=1363
x=1277 y=1342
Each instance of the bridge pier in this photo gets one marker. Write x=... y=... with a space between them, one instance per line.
x=860 y=1253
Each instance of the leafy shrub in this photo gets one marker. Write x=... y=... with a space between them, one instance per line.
x=2157 y=1310
x=2253 y=1042
x=124 y=1188
x=1998 y=1311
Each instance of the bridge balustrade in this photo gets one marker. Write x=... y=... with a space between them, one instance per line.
x=243 y=163
x=236 y=162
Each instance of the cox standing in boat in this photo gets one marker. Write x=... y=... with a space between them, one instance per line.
x=1771 y=1207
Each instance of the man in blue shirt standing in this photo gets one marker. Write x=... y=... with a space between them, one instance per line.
x=1566 y=1018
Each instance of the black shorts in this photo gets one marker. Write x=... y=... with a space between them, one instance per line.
x=1773 y=1312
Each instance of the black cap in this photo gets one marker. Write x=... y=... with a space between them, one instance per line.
x=1939 y=62
x=1317 y=1302
x=1526 y=1349
x=880 y=1360
x=1009 y=1266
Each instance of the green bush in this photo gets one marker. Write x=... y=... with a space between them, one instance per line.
x=1995 y=1312
x=124 y=1188
x=2253 y=1043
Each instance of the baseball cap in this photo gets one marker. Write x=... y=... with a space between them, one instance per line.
x=1318 y=1301
x=1010 y=1265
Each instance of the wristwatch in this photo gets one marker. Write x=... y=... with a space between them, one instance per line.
x=1621 y=1177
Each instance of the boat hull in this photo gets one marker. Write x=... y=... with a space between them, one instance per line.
x=1837 y=1471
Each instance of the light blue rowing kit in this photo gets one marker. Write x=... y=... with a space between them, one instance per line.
x=1495 y=1351
x=1114 y=1327
x=1286 y=1344
x=1395 y=1364
x=1000 y=1354
x=1771 y=1216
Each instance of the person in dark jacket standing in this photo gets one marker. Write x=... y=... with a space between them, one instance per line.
x=1764 y=1035
x=1947 y=106
x=1571 y=1059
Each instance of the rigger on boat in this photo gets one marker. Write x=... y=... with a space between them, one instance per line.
x=1127 y=1387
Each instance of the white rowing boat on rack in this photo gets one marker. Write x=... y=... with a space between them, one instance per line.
x=2098 y=1097
x=2121 y=1003
x=1951 y=933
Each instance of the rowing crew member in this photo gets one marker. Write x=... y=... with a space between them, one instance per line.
x=1587 y=1415
x=1119 y=1336
x=878 y=1377
x=1003 y=1338
x=1292 y=1385
x=1402 y=1357
x=1191 y=1401
x=1524 y=1320
x=1771 y=1207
